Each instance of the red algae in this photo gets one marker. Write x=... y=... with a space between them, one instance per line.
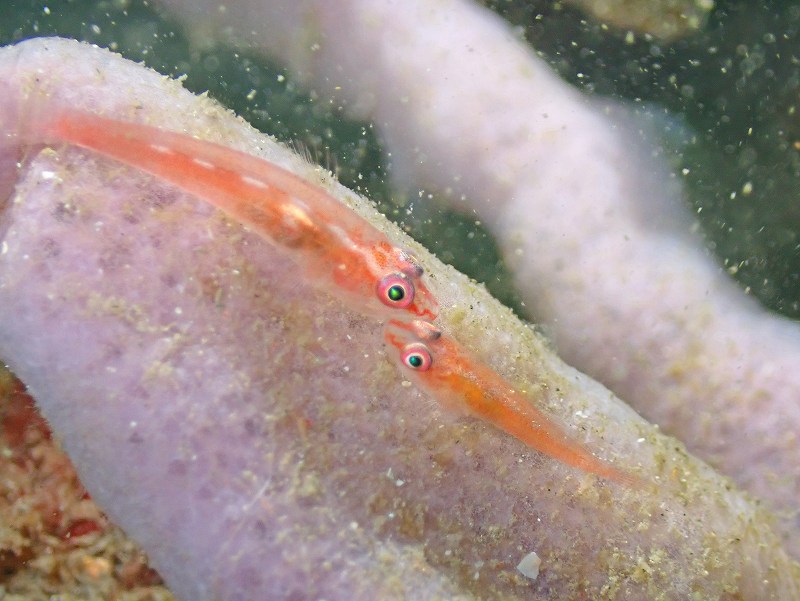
x=21 y=423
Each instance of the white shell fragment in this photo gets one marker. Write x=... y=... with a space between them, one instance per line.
x=529 y=565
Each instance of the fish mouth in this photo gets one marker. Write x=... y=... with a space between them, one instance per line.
x=418 y=329
x=426 y=314
x=425 y=305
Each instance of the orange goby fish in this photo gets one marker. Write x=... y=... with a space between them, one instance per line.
x=444 y=370
x=340 y=251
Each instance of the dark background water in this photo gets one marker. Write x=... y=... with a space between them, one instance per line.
x=725 y=98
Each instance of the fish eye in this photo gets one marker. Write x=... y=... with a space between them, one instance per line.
x=417 y=357
x=395 y=290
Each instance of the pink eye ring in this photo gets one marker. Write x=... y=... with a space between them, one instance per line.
x=416 y=356
x=396 y=290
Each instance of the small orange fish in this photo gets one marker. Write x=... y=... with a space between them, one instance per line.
x=339 y=251
x=438 y=365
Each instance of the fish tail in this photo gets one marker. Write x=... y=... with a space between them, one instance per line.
x=539 y=432
x=598 y=467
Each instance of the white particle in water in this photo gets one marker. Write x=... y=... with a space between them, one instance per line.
x=529 y=565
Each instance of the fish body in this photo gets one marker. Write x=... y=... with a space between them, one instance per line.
x=337 y=249
x=440 y=366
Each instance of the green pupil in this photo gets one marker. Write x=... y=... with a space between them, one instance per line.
x=396 y=293
x=415 y=361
